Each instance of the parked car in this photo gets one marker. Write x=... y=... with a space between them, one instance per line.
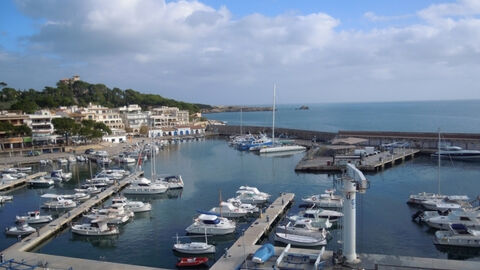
x=89 y=151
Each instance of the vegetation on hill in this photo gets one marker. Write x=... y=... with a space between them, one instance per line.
x=81 y=93
x=88 y=129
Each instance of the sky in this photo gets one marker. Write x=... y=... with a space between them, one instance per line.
x=232 y=52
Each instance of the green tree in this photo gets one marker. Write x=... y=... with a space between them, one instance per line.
x=65 y=126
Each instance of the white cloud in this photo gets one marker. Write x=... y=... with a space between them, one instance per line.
x=188 y=50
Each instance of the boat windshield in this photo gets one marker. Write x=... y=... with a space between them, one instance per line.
x=215 y=221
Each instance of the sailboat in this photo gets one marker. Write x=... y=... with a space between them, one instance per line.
x=279 y=148
x=437 y=201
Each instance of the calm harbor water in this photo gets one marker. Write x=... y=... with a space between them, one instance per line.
x=210 y=166
x=427 y=116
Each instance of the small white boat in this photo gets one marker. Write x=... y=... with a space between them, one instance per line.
x=72 y=159
x=125 y=159
x=302 y=227
x=101 y=180
x=116 y=174
x=81 y=158
x=95 y=228
x=143 y=186
x=300 y=240
x=62 y=161
x=24 y=169
x=41 y=182
x=172 y=181
x=246 y=196
x=470 y=218
x=226 y=209
x=34 y=217
x=4 y=198
x=58 y=202
x=194 y=247
x=255 y=191
x=442 y=205
x=103 y=160
x=318 y=217
x=9 y=171
x=21 y=229
x=59 y=175
x=246 y=206
x=8 y=177
x=45 y=162
x=79 y=197
x=115 y=214
x=458 y=235
x=211 y=224
x=89 y=190
x=326 y=200
x=134 y=206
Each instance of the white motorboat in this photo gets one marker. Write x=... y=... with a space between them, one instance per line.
x=89 y=190
x=19 y=175
x=302 y=227
x=172 y=181
x=143 y=186
x=134 y=206
x=21 y=229
x=458 y=235
x=255 y=191
x=115 y=214
x=226 y=209
x=194 y=247
x=112 y=174
x=58 y=202
x=4 y=198
x=246 y=206
x=34 y=217
x=72 y=159
x=125 y=159
x=62 y=161
x=211 y=224
x=246 y=196
x=424 y=196
x=81 y=158
x=8 y=177
x=95 y=228
x=300 y=240
x=45 y=162
x=79 y=197
x=100 y=180
x=326 y=200
x=458 y=153
x=24 y=169
x=9 y=171
x=41 y=182
x=103 y=160
x=467 y=217
x=59 y=175
x=317 y=216
x=443 y=205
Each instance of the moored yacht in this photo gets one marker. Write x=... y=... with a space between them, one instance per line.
x=41 y=182
x=115 y=214
x=467 y=217
x=59 y=175
x=246 y=196
x=318 y=217
x=326 y=200
x=95 y=228
x=143 y=186
x=228 y=210
x=302 y=227
x=246 y=206
x=458 y=235
x=134 y=206
x=34 y=217
x=300 y=240
x=211 y=224
x=58 y=202
x=458 y=153
x=194 y=247
x=20 y=229
x=172 y=181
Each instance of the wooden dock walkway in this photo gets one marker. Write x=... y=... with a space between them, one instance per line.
x=235 y=254
x=7 y=185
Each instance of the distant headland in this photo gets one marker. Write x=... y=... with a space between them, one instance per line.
x=219 y=109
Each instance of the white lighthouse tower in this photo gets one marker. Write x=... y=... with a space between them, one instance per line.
x=353 y=181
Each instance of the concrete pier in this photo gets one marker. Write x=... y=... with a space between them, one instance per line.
x=235 y=254
x=7 y=185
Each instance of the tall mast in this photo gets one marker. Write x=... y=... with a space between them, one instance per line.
x=273 y=115
x=241 y=120
x=438 y=154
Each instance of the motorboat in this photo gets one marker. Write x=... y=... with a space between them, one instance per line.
x=424 y=196
x=300 y=240
x=81 y=158
x=19 y=175
x=115 y=214
x=262 y=141
x=263 y=253
x=246 y=206
x=457 y=153
x=9 y=170
x=194 y=247
x=317 y=216
x=115 y=174
x=134 y=206
x=192 y=261
x=20 y=229
x=41 y=182
x=100 y=180
x=124 y=159
x=247 y=196
x=172 y=181
x=103 y=160
x=326 y=200
x=24 y=169
x=228 y=210
x=72 y=159
x=62 y=161
x=468 y=217
x=58 y=202
x=59 y=175
x=89 y=190
x=443 y=205
x=79 y=197
x=95 y=228
x=5 y=198
x=34 y=217
x=303 y=227
x=143 y=186
x=8 y=177
x=45 y=162
x=255 y=191
x=458 y=235
x=211 y=224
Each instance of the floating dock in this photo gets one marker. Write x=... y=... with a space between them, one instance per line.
x=8 y=185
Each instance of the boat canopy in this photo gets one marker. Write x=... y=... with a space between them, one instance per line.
x=209 y=219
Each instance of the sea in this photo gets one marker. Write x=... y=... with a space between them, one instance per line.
x=211 y=170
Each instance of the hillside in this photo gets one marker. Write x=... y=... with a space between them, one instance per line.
x=81 y=93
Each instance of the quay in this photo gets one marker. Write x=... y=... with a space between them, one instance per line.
x=7 y=185
x=254 y=233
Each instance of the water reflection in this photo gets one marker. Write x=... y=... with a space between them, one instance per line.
x=102 y=242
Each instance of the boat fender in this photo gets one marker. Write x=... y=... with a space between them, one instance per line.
x=314 y=198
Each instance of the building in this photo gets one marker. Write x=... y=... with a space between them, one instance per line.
x=16 y=118
x=176 y=131
x=110 y=117
x=168 y=117
x=133 y=117
x=70 y=80
x=42 y=127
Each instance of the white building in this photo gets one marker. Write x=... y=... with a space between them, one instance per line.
x=133 y=117
x=168 y=117
x=176 y=131
x=42 y=127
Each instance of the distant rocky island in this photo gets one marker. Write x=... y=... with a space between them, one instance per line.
x=219 y=109
x=303 y=107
